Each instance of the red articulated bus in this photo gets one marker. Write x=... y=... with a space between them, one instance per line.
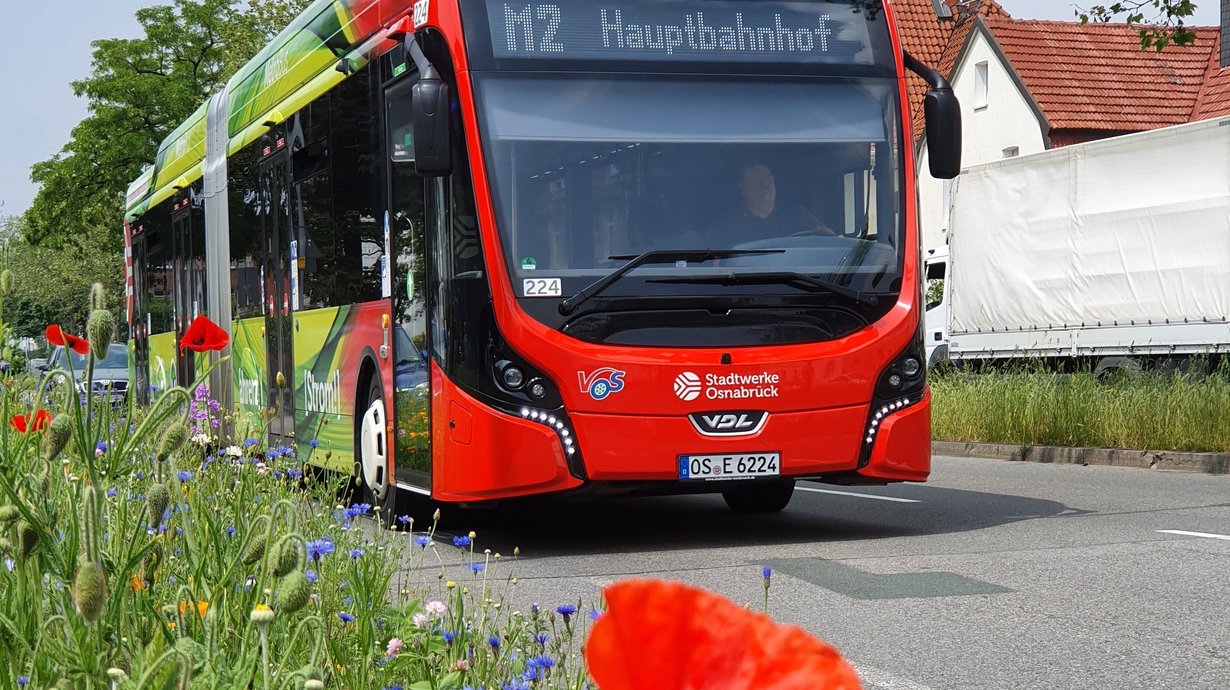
x=484 y=249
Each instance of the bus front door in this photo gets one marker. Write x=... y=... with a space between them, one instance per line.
x=406 y=221
x=280 y=369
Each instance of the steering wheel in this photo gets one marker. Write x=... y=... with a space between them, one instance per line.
x=814 y=232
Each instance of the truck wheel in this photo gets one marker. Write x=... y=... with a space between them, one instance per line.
x=375 y=483
x=761 y=497
x=1115 y=369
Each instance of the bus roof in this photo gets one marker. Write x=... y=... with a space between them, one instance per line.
x=296 y=67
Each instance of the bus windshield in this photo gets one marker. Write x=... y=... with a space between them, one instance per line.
x=589 y=170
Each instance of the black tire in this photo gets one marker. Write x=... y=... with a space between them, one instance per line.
x=760 y=497
x=364 y=493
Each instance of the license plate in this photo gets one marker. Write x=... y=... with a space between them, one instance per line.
x=734 y=466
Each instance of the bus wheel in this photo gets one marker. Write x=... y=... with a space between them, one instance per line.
x=375 y=485
x=766 y=497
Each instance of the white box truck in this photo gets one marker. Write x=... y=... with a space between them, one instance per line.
x=1115 y=251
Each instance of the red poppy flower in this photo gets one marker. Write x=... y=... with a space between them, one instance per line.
x=35 y=422
x=204 y=335
x=672 y=636
x=56 y=336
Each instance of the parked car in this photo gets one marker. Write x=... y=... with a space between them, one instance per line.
x=110 y=373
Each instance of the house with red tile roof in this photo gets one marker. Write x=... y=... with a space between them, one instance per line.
x=1030 y=85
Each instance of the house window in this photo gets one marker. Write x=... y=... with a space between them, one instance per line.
x=1012 y=152
x=980 y=85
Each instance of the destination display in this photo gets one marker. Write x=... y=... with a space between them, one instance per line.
x=658 y=30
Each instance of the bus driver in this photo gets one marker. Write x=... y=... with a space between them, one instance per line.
x=761 y=217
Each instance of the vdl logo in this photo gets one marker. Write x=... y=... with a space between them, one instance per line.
x=687 y=386
x=601 y=383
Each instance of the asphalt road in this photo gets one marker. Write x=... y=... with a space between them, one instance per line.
x=994 y=574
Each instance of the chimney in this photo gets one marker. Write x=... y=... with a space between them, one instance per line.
x=1225 y=33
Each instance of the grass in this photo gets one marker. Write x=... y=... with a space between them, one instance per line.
x=1030 y=406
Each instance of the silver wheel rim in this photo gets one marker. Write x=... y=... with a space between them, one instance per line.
x=374 y=450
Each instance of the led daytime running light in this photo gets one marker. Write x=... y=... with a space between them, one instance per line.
x=556 y=424
x=881 y=414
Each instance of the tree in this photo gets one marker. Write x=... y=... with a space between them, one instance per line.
x=140 y=90
x=1162 y=26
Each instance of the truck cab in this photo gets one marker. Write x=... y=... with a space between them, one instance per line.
x=936 y=296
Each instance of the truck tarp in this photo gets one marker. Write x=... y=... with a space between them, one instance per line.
x=1130 y=230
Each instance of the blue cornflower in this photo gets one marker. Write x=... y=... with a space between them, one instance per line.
x=294 y=474
x=111 y=492
x=139 y=475
x=286 y=451
x=22 y=680
x=102 y=447
x=461 y=542
x=345 y=617
x=249 y=442
x=179 y=531
x=311 y=575
x=319 y=548
x=594 y=614
x=478 y=567
x=361 y=508
x=422 y=540
x=537 y=667
x=404 y=519
x=184 y=476
x=448 y=637
x=170 y=579
x=271 y=455
x=277 y=475
x=766 y=571
x=494 y=641
x=566 y=610
x=230 y=531
x=542 y=638
x=356 y=553
x=314 y=443
x=348 y=601
x=516 y=684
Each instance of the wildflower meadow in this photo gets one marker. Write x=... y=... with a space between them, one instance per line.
x=148 y=548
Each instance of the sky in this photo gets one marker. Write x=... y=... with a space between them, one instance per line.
x=39 y=109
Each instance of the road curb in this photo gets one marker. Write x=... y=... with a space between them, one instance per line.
x=1208 y=463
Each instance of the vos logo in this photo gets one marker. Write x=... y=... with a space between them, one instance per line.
x=601 y=383
x=740 y=423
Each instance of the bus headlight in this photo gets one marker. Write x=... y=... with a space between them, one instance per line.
x=513 y=377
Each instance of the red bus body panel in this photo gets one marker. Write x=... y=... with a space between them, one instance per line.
x=817 y=419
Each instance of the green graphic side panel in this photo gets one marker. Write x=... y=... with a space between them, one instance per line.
x=161 y=362
x=323 y=404
x=248 y=362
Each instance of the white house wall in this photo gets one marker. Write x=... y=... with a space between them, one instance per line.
x=1007 y=120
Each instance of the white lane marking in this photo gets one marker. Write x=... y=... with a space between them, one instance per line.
x=873 y=677
x=894 y=499
x=1194 y=534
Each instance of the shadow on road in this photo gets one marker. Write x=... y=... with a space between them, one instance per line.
x=545 y=528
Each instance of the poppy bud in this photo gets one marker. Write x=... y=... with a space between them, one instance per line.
x=293 y=592
x=99 y=331
x=255 y=550
x=280 y=379
x=8 y=514
x=6 y=281
x=27 y=540
x=285 y=556
x=157 y=501
x=154 y=559
x=172 y=440
x=98 y=297
x=89 y=589
x=314 y=684
x=58 y=436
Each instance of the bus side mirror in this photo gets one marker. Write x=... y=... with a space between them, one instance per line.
x=432 y=127
x=943 y=113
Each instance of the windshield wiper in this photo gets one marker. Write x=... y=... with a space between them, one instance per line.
x=776 y=277
x=660 y=256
